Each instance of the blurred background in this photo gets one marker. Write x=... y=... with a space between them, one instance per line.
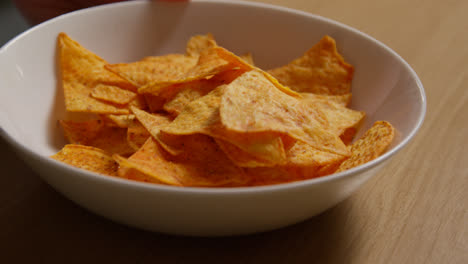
x=11 y=21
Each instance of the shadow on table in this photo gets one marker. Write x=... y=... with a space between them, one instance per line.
x=51 y=229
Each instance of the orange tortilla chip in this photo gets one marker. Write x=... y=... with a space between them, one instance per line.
x=154 y=69
x=321 y=70
x=81 y=132
x=260 y=176
x=245 y=66
x=138 y=102
x=304 y=155
x=81 y=72
x=127 y=171
x=248 y=58
x=181 y=99
x=149 y=164
x=189 y=169
x=154 y=103
x=95 y=134
x=112 y=94
x=88 y=158
x=198 y=44
x=194 y=90
x=342 y=99
x=251 y=103
x=370 y=146
x=209 y=64
x=244 y=159
x=137 y=135
x=152 y=122
x=123 y=121
x=342 y=120
x=202 y=116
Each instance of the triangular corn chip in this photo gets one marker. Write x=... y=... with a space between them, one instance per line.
x=154 y=69
x=304 y=155
x=342 y=121
x=176 y=104
x=245 y=66
x=148 y=161
x=94 y=133
x=209 y=64
x=81 y=71
x=194 y=90
x=342 y=99
x=189 y=169
x=199 y=43
x=123 y=121
x=137 y=135
x=248 y=58
x=112 y=94
x=260 y=176
x=251 y=103
x=321 y=70
x=245 y=159
x=152 y=122
x=202 y=116
x=370 y=146
x=88 y=158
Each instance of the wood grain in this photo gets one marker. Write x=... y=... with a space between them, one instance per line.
x=414 y=211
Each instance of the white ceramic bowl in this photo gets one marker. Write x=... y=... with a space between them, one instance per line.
x=31 y=101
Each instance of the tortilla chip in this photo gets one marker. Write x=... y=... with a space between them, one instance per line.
x=304 y=155
x=137 y=135
x=127 y=171
x=95 y=134
x=321 y=70
x=138 y=102
x=342 y=121
x=81 y=132
x=178 y=98
x=189 y=169
x=209 y=64
x=247 y=160
x=181 y=99
x=194 y=90
x=342 y=99
x=261 y=176
x=370 y=146
x=202 y=116
x=150 y=164
x=88 y=158
x=154 y=103
x=112 y=94
x=123 y=121
x=152 y=122
x=348 y=135
x=81 y=71
x=248 y=58
x=244 y=66
x=198 y=44
x=253 y=104
x=153 y=69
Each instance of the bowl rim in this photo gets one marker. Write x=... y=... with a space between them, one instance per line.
x=17 y=146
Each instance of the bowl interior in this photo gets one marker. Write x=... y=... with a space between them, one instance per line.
x=32 y=100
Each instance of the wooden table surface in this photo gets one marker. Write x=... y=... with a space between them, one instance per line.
x=414 y=211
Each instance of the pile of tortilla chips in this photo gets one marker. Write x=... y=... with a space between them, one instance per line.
x=211 y=118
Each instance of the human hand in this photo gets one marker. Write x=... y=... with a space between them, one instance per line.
x=37 y=11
